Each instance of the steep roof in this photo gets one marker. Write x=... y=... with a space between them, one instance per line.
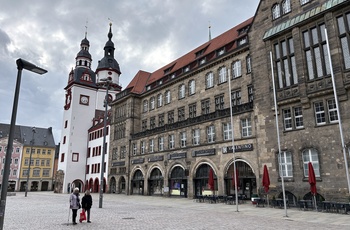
x=143 y=79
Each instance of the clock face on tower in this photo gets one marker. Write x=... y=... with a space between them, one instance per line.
x=84 y=100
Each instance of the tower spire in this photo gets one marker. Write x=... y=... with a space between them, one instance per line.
x=209 y=31
x=86 y=28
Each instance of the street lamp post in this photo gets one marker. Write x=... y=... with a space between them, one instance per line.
x=30 y=160
x=107 y=84
x=21 y=64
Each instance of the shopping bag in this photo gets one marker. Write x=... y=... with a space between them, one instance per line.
x=82 y=215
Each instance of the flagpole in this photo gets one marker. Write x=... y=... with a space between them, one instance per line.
x=338 y=112
x=278 y=137
x=233 y=140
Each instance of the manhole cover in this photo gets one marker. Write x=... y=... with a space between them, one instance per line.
x=128 y=218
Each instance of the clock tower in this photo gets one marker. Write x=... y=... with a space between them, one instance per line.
x=84 y=104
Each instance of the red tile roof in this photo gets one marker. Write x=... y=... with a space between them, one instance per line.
x=142 y=78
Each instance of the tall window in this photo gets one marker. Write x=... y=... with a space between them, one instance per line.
x=219 y=102
x=152 y=103
x=167 y=97
x=159 y=100
x=144 y=125
x=285 y=63
x=181 y=114
x=236 y=97
x=211 y=134
x=191 y=87
x=276 y=11
x=250 y=93
x=286 y=164
x=246 y=127
x=161 y=120
x=249 y=64
x=160 y=143
x=236 y=69
x=209 y=80
x=183 y=139
x=151 y=146
x=332 y=111
x=227 y=131
x=145 y=106
x=171 y=117
x=316 y=52
x=196 y=136
x=222 y=75
x=344 y=36
x=152 y=122
x=142 y=147
x=171 y=139
x=286 y=7
x=181 y=91
x=192 y=110
x=311 y=155
x=205 y=106
x=134 y=148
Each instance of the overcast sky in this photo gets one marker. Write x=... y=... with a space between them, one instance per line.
x=147 y=35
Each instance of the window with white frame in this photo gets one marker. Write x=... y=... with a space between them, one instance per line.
x=196 y=136
x=209 y=80
x=293 y=118
x=14 y=172
x=134 y=148
x=152 y=103
x=191 y=87
x=151 y=146
x=322 y=116
x=227 y=131
x=311 y=155
x=276 y=11
x=145 y=106
x=344 y=36
x=160 y=143
x=36 y=173
x=142 y=146
x=171 y=141
x=160 y=100
x=236 y=69
x=16 y=161
x=46 y=172
x=211 y=134
x=182 y=91
x=236 y=97
x=183 y=139
x=286 y=7
x=167 y=97
x=246 y=127
x=332 y=111
x=285 y=159
x=222 y=75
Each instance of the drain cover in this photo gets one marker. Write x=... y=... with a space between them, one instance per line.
x=128 y=218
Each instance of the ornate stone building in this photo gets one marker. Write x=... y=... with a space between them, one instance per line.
x=172 y=126
x=294 y=32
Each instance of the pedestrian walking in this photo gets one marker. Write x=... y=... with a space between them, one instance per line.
x=86 y=204
x=74 y=204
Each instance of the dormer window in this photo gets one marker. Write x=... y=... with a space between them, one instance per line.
x=173 y=76
x=160 y=82
x=202 y=61
x=187 y=69
x=199 y=53
x=221 y=51
x=148 y=87
x=242 y=41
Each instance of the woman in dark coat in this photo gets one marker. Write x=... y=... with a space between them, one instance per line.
x=86 y=204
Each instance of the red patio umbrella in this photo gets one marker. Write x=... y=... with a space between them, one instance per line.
x=312 y=179
x=211 y=179
x=312 y=182
x=266 y=179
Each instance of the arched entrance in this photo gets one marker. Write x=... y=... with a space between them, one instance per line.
x=201 y=180
x=91 y=185
x=155 y=182
x=96 y=185
x=178 y=182
x=122 y=185
x=137 y=183
x=246 y=185
x=77 y=184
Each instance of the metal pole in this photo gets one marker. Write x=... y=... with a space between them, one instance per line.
x=104 y=146
x=278 y=137
x=338 y=112
x=30 y=160
x=6 y=174
x=233 y=141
